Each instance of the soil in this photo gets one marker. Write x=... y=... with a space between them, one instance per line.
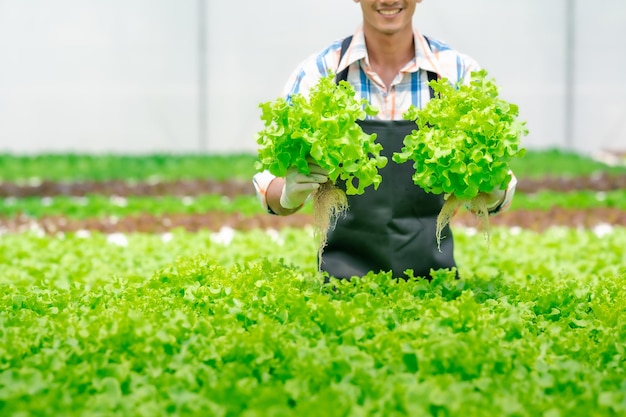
x=529 y=219
x=233 y=188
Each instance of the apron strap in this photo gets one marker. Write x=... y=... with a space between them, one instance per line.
x=343 y=75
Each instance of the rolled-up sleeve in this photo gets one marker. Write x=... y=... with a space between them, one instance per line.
x=261 y=183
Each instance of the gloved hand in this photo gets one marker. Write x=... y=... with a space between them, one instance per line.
x=298 y=186
x=496 y=198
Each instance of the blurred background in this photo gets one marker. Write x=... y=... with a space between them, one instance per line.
x=187 y=76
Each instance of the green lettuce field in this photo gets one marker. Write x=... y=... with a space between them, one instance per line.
x=156 y=286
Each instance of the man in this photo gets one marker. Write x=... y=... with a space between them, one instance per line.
x=390 y=63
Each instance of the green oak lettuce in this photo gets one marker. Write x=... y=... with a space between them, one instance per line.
x=321 y=126
x=466 y=137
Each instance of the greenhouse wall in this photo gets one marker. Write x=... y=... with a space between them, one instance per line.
x=187 y=76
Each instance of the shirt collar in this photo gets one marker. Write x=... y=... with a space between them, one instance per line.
x=425 y=58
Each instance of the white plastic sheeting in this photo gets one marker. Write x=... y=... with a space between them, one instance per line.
x=123 y=75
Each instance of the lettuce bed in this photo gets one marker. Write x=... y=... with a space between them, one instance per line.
x=240 y=324
x=79 y=167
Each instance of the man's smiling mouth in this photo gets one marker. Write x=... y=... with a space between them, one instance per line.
x=390 y=12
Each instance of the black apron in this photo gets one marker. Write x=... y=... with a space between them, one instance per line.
x=392 y=228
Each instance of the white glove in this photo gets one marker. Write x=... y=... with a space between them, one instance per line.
x=498 y=198
x=298 y=186
x=494 y=198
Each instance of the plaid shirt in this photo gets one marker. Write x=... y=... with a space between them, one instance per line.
x=409 y=87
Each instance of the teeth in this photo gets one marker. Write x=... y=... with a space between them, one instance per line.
x=389 y=12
